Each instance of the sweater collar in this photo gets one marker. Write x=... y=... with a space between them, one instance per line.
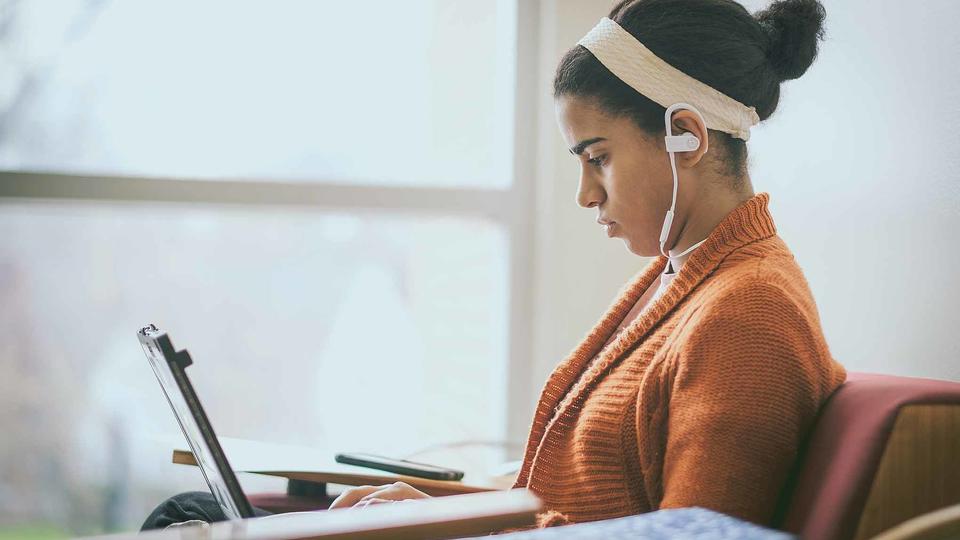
x=749 y=222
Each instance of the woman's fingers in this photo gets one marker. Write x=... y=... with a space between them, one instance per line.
x=397 y=491
x=374 y=500
x=359 y=496
x=350 y=496
x=389 y=492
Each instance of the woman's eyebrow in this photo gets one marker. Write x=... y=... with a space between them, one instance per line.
x=579 y=148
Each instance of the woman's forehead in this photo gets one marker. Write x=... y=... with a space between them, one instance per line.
x=580 y=119
x=580 y=111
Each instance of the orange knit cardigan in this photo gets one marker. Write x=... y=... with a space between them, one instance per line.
x=702 y=400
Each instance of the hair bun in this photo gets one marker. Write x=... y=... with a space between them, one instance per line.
x=793 y=28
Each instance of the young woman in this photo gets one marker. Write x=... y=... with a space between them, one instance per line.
x=699 y=383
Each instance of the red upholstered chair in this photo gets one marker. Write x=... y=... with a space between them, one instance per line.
x=884 y=449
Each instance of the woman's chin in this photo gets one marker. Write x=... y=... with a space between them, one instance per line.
x=640 y=250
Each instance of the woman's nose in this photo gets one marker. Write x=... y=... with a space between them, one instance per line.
x=589 y=192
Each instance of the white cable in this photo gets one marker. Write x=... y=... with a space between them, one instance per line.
x=668 y=219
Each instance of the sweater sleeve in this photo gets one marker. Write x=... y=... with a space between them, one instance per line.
x=743 y=393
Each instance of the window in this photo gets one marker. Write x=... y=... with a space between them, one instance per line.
x=395 y=93
x=322 y=220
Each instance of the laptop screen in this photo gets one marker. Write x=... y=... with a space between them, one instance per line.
x=168 y=365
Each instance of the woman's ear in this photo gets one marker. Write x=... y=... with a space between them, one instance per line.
x=685 y=121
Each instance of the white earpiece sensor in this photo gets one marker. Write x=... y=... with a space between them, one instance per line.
x=687 y=142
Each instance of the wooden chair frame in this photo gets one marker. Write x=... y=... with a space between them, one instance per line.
x=919 y=471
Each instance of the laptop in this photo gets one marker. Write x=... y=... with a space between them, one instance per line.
x=170 y=365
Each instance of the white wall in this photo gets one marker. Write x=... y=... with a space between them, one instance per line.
x=872 y=220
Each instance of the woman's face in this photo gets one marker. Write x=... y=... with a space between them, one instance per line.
x=624 y=173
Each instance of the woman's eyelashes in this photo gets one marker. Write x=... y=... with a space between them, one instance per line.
x=598 y=161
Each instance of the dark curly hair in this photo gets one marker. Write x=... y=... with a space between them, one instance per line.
x=718 y=42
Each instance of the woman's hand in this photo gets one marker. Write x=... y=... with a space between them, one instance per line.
x=361 y=496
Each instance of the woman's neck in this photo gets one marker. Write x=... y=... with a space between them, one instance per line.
x=704 y=216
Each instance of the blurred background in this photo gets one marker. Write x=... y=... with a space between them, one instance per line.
x=362 y=225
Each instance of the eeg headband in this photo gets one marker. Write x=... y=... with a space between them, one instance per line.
x=645 y=72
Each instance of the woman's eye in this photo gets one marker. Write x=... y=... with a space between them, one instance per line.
x=599 y=160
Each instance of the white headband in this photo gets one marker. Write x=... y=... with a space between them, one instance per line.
x=648 y=74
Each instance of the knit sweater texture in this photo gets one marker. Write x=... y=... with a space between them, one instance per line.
x=704 y=398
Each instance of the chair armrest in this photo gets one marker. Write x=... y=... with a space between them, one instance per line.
x=939 y=525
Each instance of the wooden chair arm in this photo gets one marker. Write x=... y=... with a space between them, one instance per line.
x=943 y=524
x=918 y=471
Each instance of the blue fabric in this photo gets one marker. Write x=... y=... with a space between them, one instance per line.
x=672 y=524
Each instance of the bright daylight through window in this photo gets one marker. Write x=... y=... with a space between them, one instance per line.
x=300 y=317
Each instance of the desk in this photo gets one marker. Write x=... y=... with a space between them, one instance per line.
x=316 y=465
x=443 y=517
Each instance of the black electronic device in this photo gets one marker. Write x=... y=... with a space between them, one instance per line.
x=169 y=364
x=399 y=466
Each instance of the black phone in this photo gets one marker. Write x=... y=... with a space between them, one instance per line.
x=399 y=466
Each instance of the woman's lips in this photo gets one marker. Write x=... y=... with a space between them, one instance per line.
x=607 y=224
